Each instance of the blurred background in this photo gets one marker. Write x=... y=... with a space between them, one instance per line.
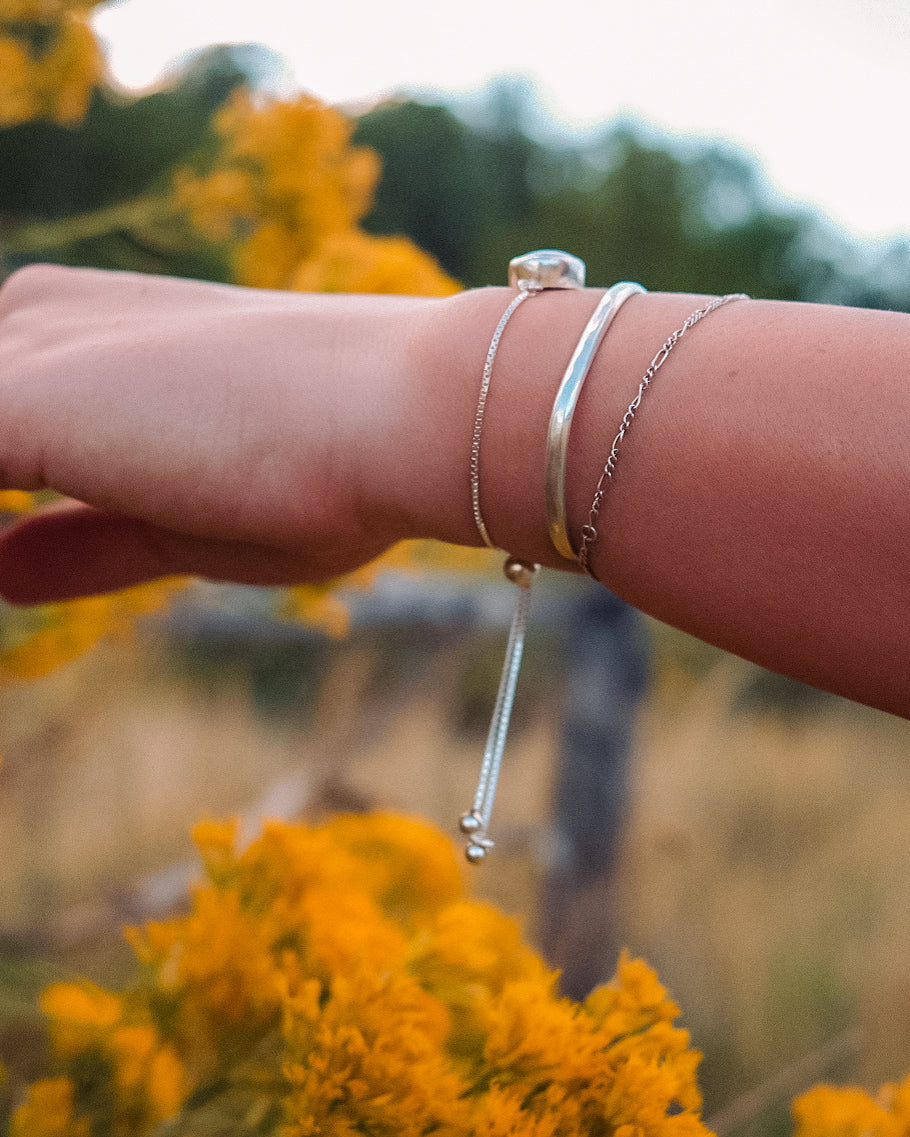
x=745 y=834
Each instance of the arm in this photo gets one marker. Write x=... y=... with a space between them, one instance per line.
x=270 y=438
x=760 y=496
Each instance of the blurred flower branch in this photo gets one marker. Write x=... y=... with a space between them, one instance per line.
x=44 y=237
x=277 y=195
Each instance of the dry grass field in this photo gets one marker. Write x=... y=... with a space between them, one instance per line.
x=765 y=866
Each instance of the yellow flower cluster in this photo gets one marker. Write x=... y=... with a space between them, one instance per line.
x=134 y=1078
x=288 y=190
x=848 y=1111
x=333 y=980
x=49 y=60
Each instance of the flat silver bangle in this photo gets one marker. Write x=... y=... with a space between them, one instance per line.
x=564 y=409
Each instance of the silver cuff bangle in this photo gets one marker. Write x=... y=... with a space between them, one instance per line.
x=564 y=409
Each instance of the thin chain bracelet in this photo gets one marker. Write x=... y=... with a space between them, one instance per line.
x=526 y=291
x=589 y=531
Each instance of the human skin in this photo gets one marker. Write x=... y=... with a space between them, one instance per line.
x=759 y=500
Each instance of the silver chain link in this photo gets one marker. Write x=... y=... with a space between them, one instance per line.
x=525 y=291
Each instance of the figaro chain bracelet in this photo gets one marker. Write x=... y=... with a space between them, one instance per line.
x=589 y=530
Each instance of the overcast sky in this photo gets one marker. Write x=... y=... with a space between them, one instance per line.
x=817 y=90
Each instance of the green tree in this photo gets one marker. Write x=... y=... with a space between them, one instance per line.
x=673 y=215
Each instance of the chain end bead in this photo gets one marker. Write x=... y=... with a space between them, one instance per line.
x=470 y=822
x=520 y=573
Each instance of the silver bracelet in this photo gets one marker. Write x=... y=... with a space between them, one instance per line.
x=589 y=531
x=532 y=273
x=564 y=409
x=523 y=295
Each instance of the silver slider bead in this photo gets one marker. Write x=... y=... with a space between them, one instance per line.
x=546 y=268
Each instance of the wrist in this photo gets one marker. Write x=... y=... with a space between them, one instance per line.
x=447 y=345
x=449 y=349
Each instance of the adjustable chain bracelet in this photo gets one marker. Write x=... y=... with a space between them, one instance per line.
x=530 y=274
x=589 y=531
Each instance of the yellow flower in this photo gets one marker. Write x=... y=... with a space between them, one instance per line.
x=81 y=1015
x=49 y=61
x=634 y=1000
x=67 y=630
x=847 y=1111
x=302 y=150
x=16 y=501
x=287 y=861
x=134 y=1047
x=268 y=257
x=286 y=176
x=149 y=1076
x=42 y=11
x=340 y=932
x=353 y=261
x=69 y=72
x=410 y=868
x=216 y=842
x=166 y=1083
x=226 y=971
x=18 y=97
x=503 y=1113
x=86 y=1021
x=373 y=1060
x=533 y=1035
x=319 y=607
x=466 y=956
x=895 y=1097
x=215 y=203
x=48 y=1112
x=584 y=1077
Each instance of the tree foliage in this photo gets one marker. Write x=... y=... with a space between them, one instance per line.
x=677 y=216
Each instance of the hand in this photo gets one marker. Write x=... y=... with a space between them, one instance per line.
x=232 y=433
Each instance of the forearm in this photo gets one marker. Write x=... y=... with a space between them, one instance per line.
x=760 y=495
x=759 y=500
